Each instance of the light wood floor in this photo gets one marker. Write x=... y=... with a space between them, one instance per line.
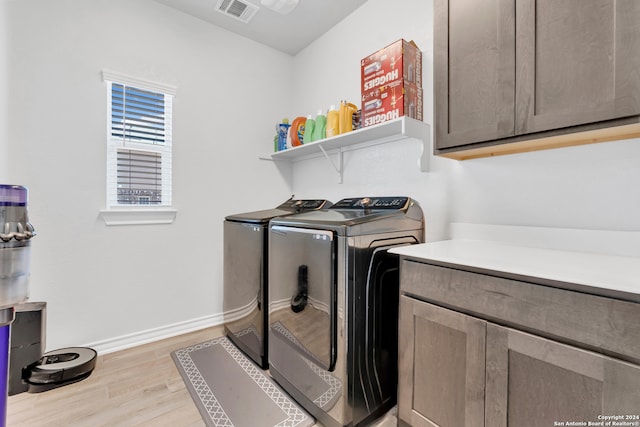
x=140 y=386
x=135 y=387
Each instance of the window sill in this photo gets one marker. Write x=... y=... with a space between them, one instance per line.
x=142 y=216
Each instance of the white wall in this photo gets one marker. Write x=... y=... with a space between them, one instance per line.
x=590 y=187
x=103 y=282
x=587 y=187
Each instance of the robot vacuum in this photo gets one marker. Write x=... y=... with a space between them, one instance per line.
x=59 y=367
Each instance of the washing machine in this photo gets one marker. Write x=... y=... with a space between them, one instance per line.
x=245 y=274
x=333 y=305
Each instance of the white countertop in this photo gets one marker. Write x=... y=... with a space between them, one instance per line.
x=602 y=274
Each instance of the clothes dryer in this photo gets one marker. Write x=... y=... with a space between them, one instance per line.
x=333 y=305
x=245 y=274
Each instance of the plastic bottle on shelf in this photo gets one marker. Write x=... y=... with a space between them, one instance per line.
x=333 y=122
x=309 y=125
x=319 y=131
x=347 y=110
x=283 y=132
x=297 y=130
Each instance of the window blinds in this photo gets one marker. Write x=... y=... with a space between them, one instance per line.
x=137 y=115
x=139 y=148
x=139 y=177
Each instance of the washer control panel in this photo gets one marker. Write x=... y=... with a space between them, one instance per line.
x=304 y=204
x=372 y=203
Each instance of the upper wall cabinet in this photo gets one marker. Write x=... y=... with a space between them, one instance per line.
x=521 y=75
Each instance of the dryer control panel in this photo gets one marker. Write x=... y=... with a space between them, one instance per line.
x=372 y=203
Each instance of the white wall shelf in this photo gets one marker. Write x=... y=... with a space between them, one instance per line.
x=398 y=130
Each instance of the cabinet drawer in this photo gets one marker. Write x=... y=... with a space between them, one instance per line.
x=603 y=324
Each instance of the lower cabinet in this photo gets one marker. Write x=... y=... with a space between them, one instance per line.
x=441 y=366
x=458 y=370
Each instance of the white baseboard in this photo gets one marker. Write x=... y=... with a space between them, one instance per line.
x=144 y=337
x=151 y=335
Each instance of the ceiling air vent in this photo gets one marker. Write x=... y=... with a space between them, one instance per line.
x=238 y=9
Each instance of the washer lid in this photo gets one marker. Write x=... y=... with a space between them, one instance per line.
x=258 y=217
x=362 y=215
x=288 y=207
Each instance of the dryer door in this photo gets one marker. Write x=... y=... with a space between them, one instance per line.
x=302 y=289
x=244 y=273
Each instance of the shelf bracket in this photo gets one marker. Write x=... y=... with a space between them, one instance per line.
x=337 y=168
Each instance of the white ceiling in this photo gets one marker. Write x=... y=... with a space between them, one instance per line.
x=287 y=33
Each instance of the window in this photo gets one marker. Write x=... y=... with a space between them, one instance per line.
x=138 y=142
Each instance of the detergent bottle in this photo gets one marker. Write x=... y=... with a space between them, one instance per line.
x=319 y=131
x=283 y=133
x=347 y=110
x=296 y=133
x=333 y=122
x=309 y=126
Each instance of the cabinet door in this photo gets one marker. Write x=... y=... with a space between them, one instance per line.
x=577 y=62
x=441 y=368
x=536 y=382
x=474 y=71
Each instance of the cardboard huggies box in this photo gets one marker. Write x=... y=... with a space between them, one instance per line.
x=401 y=60
x=391 y=101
